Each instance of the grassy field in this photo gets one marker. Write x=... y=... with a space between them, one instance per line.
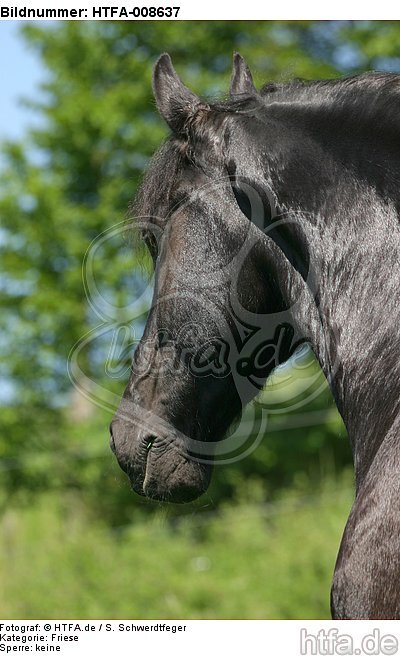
x=250 y=561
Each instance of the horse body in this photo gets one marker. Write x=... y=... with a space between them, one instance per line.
x=299 y=184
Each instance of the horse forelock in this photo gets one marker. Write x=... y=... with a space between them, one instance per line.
x=153 y=193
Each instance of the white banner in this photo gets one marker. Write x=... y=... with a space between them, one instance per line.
x=199 y=637
x=134 y=10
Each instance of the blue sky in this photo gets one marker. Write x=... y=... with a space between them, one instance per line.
x=21 y=74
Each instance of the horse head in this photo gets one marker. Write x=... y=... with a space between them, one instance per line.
x=193 y=370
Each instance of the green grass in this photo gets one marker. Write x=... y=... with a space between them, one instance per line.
x=250 y=561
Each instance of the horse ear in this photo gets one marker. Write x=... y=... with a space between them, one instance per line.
x=175 y=102
x=242 y=79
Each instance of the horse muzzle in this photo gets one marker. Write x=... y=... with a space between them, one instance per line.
x=159 y=467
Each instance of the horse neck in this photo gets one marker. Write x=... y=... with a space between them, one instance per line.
x=335 y=168
x=353 y=279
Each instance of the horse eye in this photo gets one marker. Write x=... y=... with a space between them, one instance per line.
x=242 y=201
x=255 y=205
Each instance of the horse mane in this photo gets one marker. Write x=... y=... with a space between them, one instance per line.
x=365 y=97
x=370 y=79
x=384 y=86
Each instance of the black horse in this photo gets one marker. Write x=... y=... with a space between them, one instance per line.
x=269 y=208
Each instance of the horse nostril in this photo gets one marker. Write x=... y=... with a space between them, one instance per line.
x=150 y=441
x=112 y=442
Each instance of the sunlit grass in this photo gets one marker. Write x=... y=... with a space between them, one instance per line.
x=250 y=561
